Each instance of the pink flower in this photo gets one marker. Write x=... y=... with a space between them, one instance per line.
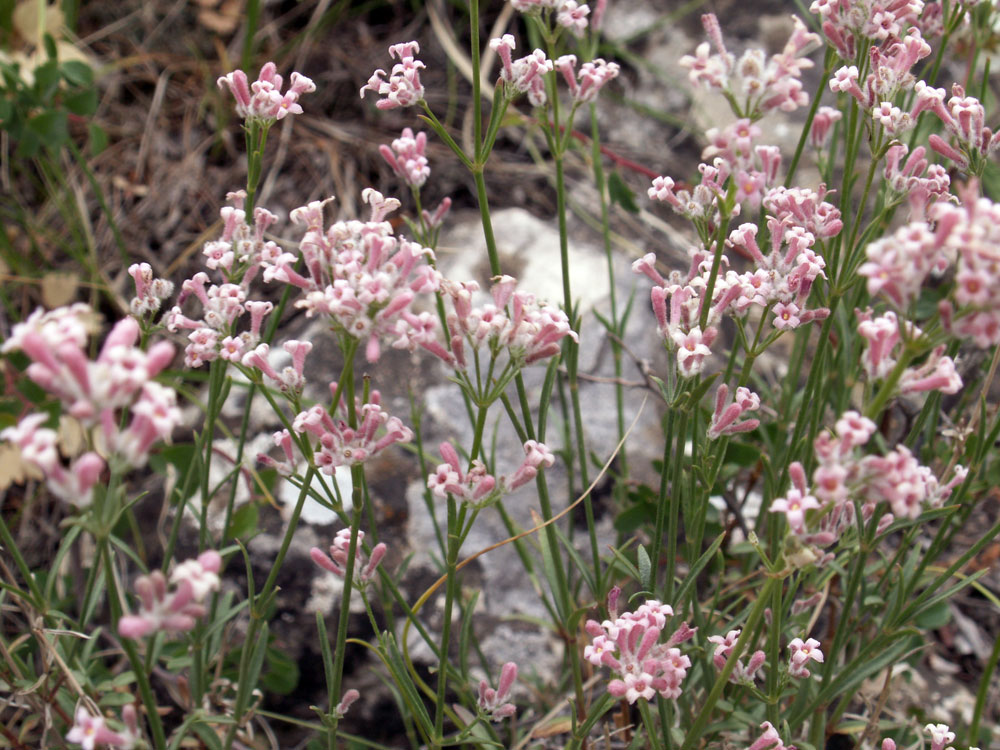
x=794 y=506
x=691 y=352
x=403 y=88
x=92 y=732
x=491 y=702
x=262 y=100
x=537 y=455
x=573 y=17
x=769 y=740
x=724 y=420
x=941 y=735
x=822 y=126
x=336 y=561
x=407 y=159
x=741 y=675
x=802 y=654
x=630 y=646
x=583 y=87
x=349 y=697
x=177 y=610
x=786 y=316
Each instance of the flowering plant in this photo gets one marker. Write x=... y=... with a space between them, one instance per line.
x=822 y=448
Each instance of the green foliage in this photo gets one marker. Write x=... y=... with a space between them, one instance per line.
x=37 y=113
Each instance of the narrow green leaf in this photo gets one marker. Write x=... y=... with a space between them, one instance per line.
x=645 y=568
x=621 y=193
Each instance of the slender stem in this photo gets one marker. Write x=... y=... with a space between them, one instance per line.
x=648 y=723
x=484 y=213
x=344 y=616
x=477 y=102
x=216 y=380
x=138 y=668
x=763 y=600
x=989 y=668
x=661 y=514
x=572 y=360
x=454 y=544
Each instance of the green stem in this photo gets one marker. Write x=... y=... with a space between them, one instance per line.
x=695 y=732
x=477 y=101
x=989 y=668
x=344 y=616
x=572 y=360
x=648 y=723
x=484 y=213
x=662 y=501
x=138 y=668
x=454 y=544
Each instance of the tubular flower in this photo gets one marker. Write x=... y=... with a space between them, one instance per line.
x=365 y=567
x=403 y=88
x=262 y=100
x=173 y=611
x=630 y=646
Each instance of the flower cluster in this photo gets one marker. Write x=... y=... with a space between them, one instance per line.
x=336 y=561
x=478 y=487
x=530 y=332
x=965 y=120
x=569 y=14
x=588 y=81
x=803 y=652
x=700 y=204
x=149 y=292
x=964 y=236
x=754 y=84
x=784 y=278
x=291 y=378
x=822 y=126
x=262 y=100
x=491 y=702
x=342 y=445
x=842 y=476
x=91 y=731
x=95 y=392
x=403 y=88
x=525 y=75
x=679 y=324
x=851 y=24
x=920 y=182
x=406 y=157
x=753 y=168
x=883 y=334
x=890 y=73
x=175 y=610
x=728 y=420
x=741 y=674
x=361 y=276
x=237 y=257
x=970 y=233
x=630 y=646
